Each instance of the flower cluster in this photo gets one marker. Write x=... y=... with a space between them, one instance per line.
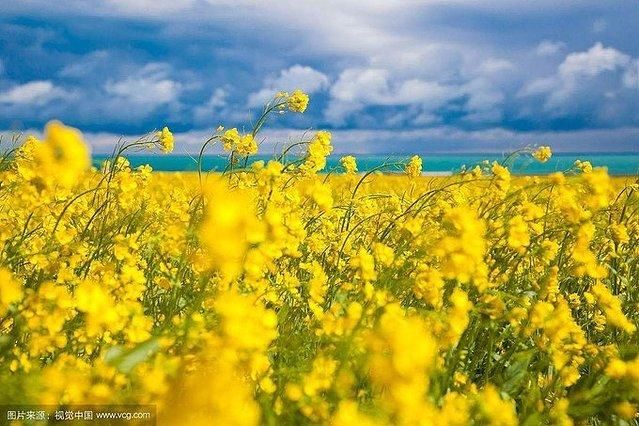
x=543 y=154
x=285 y=292
x=234 y=142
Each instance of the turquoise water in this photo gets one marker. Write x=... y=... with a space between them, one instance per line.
x=617 y=164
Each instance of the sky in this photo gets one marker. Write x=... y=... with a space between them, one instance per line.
x=384 y=76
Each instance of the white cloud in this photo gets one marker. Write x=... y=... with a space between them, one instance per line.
x=358 y=85
x=89 y=64
x=413 y=60
x=495 y=65
x=218 y=98
x=484 y=101
x=296 y=77
x=549 y=48
x=586 y=76
x=33 y=93
x=150 y=87
x=594 y=61
x=217 y=101
x=357 y=88
x=141 y=90
x=594 y=81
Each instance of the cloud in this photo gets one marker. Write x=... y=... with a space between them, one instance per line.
x=391 y=66
x=549 y=48
x=493 y=66
x=215 y=104
x=33 y=93
x=296 y=77
x=357 y=89
x=583 y=75
x=88 y=65
x=594 y=61
x=483 y=103
x=596 y=84
x=477 y=91
x=150 y=87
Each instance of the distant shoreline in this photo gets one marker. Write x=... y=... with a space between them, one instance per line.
x=433 y=164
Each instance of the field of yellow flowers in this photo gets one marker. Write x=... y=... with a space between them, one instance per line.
x=280 y=292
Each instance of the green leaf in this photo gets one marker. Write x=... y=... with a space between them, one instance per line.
x=125 y=361
x=516 y=373
x=533 y=419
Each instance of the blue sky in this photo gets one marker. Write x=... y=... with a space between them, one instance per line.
x=384 y=76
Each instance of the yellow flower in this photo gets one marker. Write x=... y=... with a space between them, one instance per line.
x=428 y=286
x=462 y=249
x=347 y=414
x=414 y=167
x=584 y=166
x=10 y=290
x=165 y=139
x=543 y=154
x=246 y=324
x=402 y=354
x=626 y=410
x=619 y=233
x=229 y=226
x=247 y=145
x=549 y=250
x=320 y=377
x=457 y=316
x=100 y=307
x=518 y=235
x=232 y=141
x=298 y=101
x=616 y=369
x=611 y=306
x=497 y=411
x=61 y=159
x=383 y=254
x=318 y=149
x=216 y=395
x=269 y=294
x=321 y=194
x=502 y=175
x=364 y=263
x=349 y=163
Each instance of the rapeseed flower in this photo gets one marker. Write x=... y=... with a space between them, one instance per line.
x=298 y=101
x=165 y=139
x=542 y=154
x=10 y=290
x=414 y=167
x=349 y=163
x=60 y=160
x=268 y=293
